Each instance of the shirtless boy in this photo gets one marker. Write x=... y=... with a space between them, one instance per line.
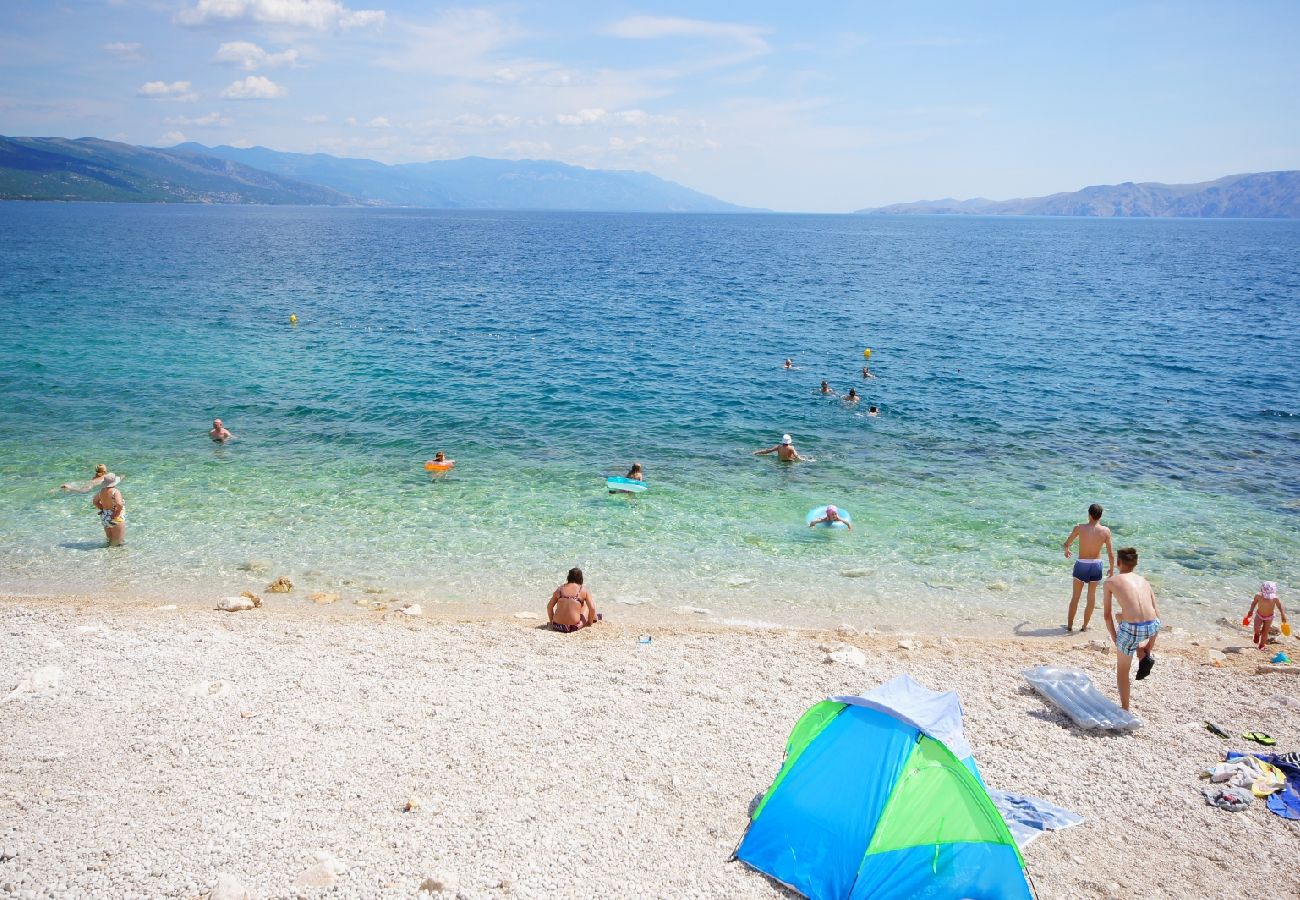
x=1092 y=536
x=219 y=432
x=1137 y=633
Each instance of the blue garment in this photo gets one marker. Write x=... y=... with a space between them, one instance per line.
x=1286 y=802
x=1087 y=570
x=1029 y=817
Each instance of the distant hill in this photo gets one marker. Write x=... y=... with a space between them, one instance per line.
x=34 y=168
x=478 y=183
x=1264 y=195
x=92 y=169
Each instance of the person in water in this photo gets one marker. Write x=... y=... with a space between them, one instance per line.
x=867 y=373
x=219 y=432
x=830 y=517
x=1092 y=537
x=852 y=396
x=112 y=510
x=635 y=472
x=1136 y=634
x=86 y=487
x=784 y=451
x=873 y=412
x=1265 y=606
x=826 y=389
x=571 y=607
x=789 y=363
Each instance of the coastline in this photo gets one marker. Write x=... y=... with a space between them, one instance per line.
x=556 y=765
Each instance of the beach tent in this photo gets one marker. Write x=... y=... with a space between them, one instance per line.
x=879 y=797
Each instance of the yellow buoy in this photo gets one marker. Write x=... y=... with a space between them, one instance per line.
x=866 y=354
x=293 y=319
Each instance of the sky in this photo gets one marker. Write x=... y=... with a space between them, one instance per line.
x=812 y=107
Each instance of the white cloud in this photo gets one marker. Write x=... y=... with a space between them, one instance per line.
x=251 y=57
x=242 y=143
x=316 y=119
x=526 y=149
x=123 y=49
x=171 y=138
x=320 y=15
x=749 y=37
x=254 y=87
x=379 y=122
x=161 y=90
x=581 y=117
x=597 y=116
x=211 y=120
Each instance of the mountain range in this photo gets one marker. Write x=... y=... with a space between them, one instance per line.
x=1261 y=195
x=34 y=168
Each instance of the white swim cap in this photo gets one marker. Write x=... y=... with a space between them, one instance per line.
x=786 y=439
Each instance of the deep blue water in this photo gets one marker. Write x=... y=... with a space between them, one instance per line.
x=1026 y=368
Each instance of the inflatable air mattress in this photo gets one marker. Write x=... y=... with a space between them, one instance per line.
x=1073 y=693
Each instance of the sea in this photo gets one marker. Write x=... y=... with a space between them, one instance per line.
x=1027 y=367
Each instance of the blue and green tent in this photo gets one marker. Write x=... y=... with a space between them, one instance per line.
x=879 y=796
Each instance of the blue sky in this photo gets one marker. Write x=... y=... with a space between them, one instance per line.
x=816 y=106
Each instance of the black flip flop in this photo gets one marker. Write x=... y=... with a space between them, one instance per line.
x=1145 y=665
x=1216 y=730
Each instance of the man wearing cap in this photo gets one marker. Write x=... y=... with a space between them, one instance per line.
x=784 y=451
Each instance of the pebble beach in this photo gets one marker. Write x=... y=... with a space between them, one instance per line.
x=172 y=750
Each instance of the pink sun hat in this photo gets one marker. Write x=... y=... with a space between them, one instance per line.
x=1268 y=590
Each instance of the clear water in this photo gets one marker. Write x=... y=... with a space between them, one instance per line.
x=1027 y=368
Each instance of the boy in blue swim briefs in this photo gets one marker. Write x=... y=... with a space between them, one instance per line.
x=1092 y=537
x=1136 y=634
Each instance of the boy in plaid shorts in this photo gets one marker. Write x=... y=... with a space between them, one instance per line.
x=1137 y=632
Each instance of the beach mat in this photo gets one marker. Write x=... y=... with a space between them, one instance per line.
x=1073 y=693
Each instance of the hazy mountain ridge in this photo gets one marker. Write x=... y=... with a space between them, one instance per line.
x=1259 y=195
x=94 y=169
x=99 y=170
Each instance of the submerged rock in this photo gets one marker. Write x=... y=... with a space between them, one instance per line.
x=281 y=585
x=323 y=597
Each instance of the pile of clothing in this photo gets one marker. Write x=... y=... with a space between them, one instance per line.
x=1244 y=776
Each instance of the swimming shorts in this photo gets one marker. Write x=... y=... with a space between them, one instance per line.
x=1130 y=634
x=1087 y=570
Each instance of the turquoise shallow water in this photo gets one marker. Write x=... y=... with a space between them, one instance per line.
x=1027 y=367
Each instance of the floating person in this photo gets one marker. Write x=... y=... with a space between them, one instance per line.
x=571 y=607
x=631 y=483
x=219 y=432
x=439 y=465
x=1137 y=632
x=873 y=412
x=1265 y=606
x=867 y=373
x=826 y=389
x=86 y=487
x=831 y=517
x=852 y=396
x=784 y=451
x=1092 y=537
x=112 y=510
x=789 y=363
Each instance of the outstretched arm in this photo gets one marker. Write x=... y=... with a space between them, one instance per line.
x=764 y=452
x=1070 y=540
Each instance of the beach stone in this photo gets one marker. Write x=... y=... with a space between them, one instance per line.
x=440 y=883
x=323 y=873
x=256 y=566
x=849 y=655
x=847 y=630
x=909 y=644
x=8 y=853
x=281 y=585
x=45 y=680
x=854 y=573
x=209 y=690
x=236 y=604
x=228 y=887
x=411 y=609
x=321 y=597
x=693 y=610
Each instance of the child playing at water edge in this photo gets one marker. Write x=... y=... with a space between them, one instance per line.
x=1264 y=607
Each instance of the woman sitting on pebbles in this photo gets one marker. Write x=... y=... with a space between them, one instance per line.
x=571 y=607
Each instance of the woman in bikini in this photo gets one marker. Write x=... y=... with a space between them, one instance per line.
x=571 y=607
x=112 y=510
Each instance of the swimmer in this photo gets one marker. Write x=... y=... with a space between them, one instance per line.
x=867 y=373
x=831 y=516
x=635 y=472
x=219 y=432
x=112 y=510
x=789 y=363
x=873 y=412
x=440 y=465
x=784 y=451
x=852 y=396
x=826 y=389
x=86 y=487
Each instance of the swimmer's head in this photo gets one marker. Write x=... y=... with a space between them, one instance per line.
x=575 y=575
x=786 y=440
x=439 y=456
x=853 y=392
x=216 y=423
x=101 y=470
x=636 y=467
x=832 y=511
x=874 y=409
